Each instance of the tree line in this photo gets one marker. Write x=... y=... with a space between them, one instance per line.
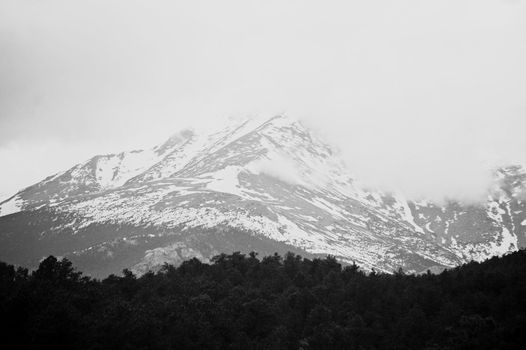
x=239 y=301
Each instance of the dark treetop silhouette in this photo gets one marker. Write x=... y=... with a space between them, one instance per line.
x=241 y=302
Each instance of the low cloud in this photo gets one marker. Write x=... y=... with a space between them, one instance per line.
x=279 y=167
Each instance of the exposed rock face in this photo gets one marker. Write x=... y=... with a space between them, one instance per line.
x=268 y=187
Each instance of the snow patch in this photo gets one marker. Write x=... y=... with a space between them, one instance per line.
x=294 y=233
x=13 y=205
x=495 y=211
x=405 y=212
x=428 y=227
x=226 y=180
x=105 y=171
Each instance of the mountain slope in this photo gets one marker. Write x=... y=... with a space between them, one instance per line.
x=268 y=186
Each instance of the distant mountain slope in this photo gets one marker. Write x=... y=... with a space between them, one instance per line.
x=268 y=186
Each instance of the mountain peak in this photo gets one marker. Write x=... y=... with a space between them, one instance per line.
x=176 y=139
x=281 y=120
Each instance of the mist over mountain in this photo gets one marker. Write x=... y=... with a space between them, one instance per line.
x=251 y=185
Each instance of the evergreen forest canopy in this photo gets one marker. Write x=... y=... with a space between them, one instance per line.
x=242 y=302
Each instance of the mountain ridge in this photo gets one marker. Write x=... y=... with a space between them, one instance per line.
x=272 y=182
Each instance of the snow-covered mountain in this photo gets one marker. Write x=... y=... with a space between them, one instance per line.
x=269 y=186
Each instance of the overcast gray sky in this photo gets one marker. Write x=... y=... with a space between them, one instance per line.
x=420 y=95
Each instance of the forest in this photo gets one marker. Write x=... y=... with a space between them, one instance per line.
x=240 y=301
